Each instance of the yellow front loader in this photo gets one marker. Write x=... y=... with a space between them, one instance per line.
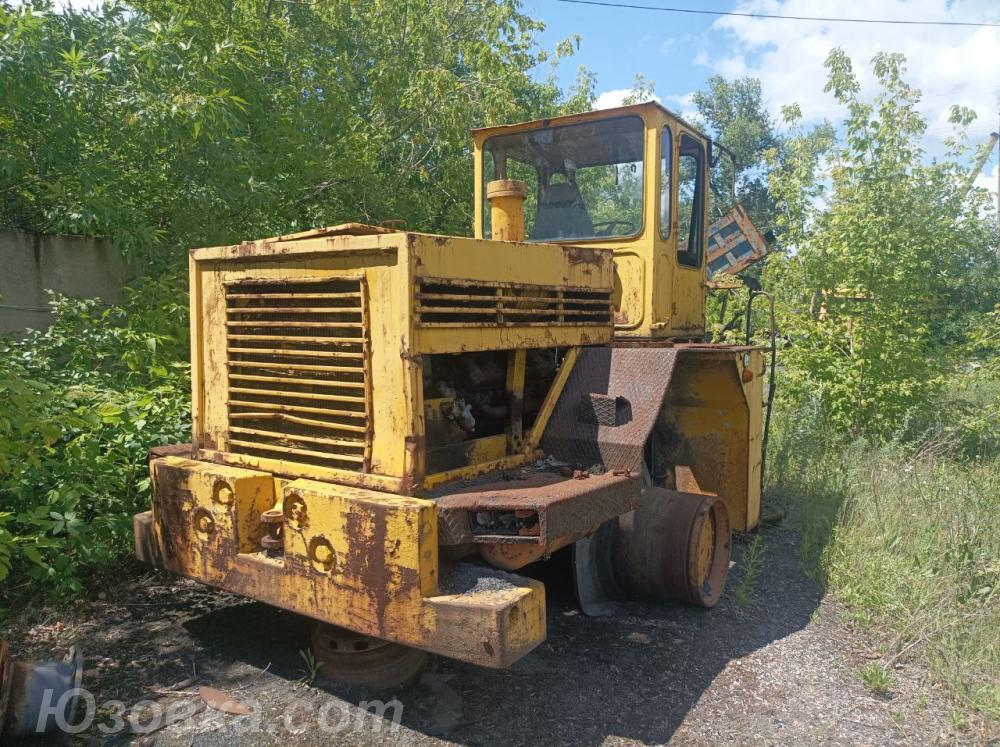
x=387 y=425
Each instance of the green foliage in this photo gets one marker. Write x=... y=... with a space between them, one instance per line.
x=877 y=678
x=177 y=123
x=80 y=405
x=752 y=563
x=890 y=260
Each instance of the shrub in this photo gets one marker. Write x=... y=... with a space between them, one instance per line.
x=80 y=404
x=892 y=260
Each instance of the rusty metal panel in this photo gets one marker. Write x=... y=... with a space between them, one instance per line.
x=356 y=558
x=640 y=377
x=563 y=507
x=734 y=243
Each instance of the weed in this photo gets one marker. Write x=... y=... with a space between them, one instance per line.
x=958 y=720
x=753 y=561
x=877 y=678
x=312 y=667
x=906 y=538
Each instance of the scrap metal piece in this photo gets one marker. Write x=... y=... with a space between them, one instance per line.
x=34 y=693
x=735 y=243
x=640 y=376
x=220 y=701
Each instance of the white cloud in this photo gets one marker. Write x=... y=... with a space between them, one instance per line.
x=950 y=65
x=989 y=182
x=616 y=97
x=682 y=105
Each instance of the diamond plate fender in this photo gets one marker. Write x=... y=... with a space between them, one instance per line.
x=640 y=377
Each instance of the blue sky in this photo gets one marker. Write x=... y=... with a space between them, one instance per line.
x=679 y=52
x=617 y=44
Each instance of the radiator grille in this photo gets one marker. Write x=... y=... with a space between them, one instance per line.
x=297 y=355
x=445 y=303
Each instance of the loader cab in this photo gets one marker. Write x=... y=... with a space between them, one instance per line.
x=633 y=179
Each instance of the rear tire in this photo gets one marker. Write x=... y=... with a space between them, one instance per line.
x=359 y=659
x=676 y=546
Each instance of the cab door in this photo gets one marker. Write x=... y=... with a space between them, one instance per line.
x=687 y=313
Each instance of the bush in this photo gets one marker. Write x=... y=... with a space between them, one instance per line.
x=80 y=405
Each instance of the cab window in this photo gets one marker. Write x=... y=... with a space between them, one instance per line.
x=666 y=183
x=690 y=202
x=584 y=180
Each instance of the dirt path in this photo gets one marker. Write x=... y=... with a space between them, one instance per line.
x=782 y=671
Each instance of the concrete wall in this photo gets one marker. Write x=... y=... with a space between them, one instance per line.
x=31 y=265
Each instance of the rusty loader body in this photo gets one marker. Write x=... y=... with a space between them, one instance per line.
x=388 y=424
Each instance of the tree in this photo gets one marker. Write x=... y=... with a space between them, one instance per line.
x=165 y=122
x=734 y=111
x=883 y=245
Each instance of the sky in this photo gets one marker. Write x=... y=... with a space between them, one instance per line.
x=679 y=52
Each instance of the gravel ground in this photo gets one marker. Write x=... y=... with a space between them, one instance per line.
x=781 y=671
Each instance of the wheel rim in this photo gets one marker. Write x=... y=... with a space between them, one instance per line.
x=705 y=549
x=710 y=552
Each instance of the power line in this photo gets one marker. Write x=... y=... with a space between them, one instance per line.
x=662 y=9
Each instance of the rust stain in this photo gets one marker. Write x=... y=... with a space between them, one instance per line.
x=415 y=446
x=582 y=255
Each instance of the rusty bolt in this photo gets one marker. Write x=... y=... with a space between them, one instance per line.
x=222 y=493
x=203 y=522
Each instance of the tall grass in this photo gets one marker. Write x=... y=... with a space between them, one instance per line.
x=908 y=538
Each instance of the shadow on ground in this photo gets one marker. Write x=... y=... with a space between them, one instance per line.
x=634 y=676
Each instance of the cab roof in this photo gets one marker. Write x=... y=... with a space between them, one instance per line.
x=480 y=133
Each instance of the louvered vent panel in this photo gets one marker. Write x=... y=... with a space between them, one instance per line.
x=447 y=303
x=298 y=378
